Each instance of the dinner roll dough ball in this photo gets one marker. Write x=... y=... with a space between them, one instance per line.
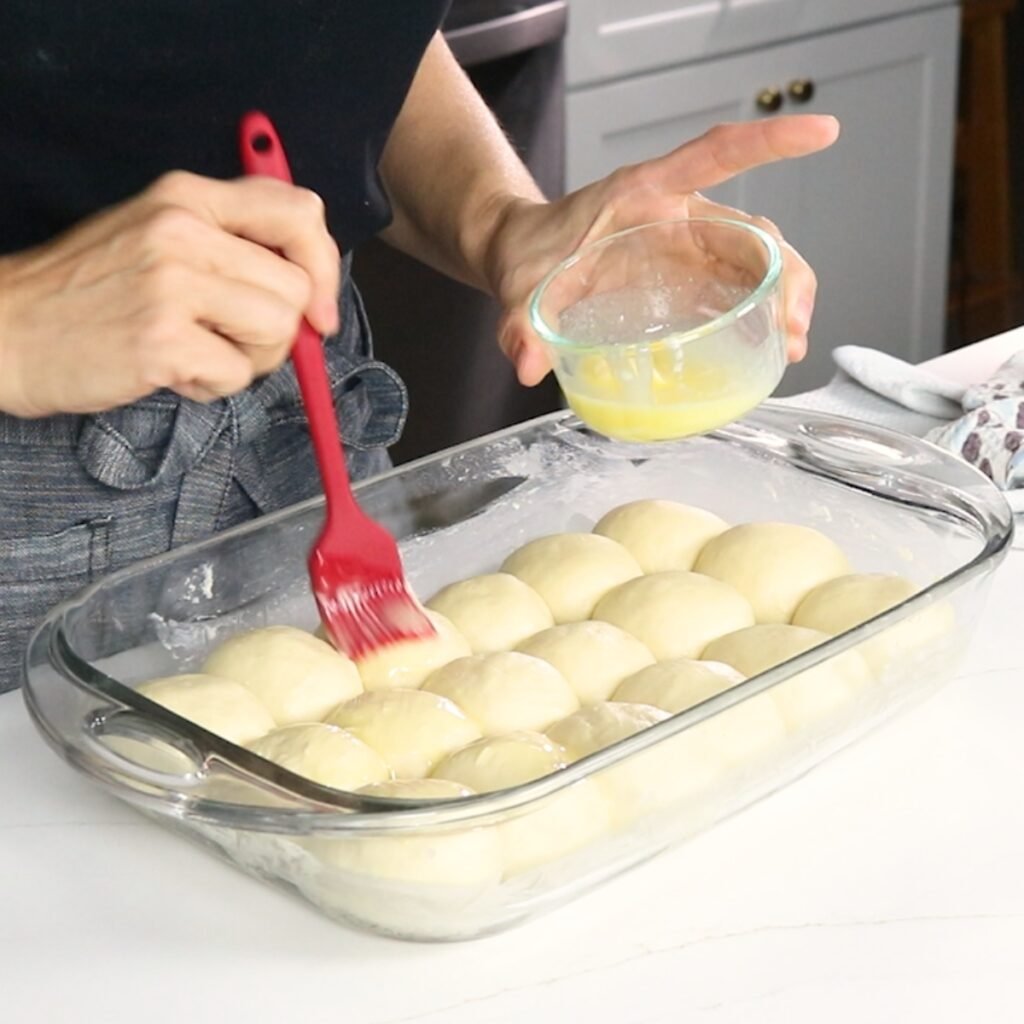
x=408 y=662
x=298 y=677
x=323 y=753
x=417 y=789
x=661 y=535
x=551 y=827
x=505 y=691
x=572 y=571
x=675 y=614
x=600 y=725
x=773 y=565
x=221 y=706
x=593 y=656
x=501 y=762
x=493 y=612
x=677 y=684
x=671 y=771
x=813 y=695
x=739 y=733
x=847 y=601
x=410 y=729
x=461 y=855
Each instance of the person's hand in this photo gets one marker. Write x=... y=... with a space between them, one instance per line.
x=531 y=237
x=177 y=288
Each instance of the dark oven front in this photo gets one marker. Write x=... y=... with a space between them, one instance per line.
x=440 y=335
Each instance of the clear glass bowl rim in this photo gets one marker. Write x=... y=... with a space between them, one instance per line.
x=751 y=301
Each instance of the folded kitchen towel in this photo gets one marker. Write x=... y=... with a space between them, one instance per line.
x=900 y=382
x=983 y=424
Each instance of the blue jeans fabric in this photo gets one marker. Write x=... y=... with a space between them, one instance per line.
x=81 y=496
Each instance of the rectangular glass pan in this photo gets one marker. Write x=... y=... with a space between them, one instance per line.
x=479 y=864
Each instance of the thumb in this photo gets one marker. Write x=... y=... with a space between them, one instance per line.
x=523 y=348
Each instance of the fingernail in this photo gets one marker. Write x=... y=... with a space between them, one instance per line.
x=802 y=316
x=525 y=370
x=329 y=317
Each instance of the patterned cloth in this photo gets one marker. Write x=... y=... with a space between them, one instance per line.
x=990 y=434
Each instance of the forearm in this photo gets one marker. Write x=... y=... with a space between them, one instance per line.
x=451 y=174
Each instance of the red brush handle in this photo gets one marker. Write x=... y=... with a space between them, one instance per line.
x=262 y=153
x=261 y=149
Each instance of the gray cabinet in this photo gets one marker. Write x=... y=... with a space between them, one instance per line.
x=871 y=214
x=612 y=38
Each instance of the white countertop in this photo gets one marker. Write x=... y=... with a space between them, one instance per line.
x=887 y=885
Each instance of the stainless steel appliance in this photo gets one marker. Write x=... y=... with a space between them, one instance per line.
x=438 y=334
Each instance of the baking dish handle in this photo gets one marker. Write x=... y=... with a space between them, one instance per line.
x=127 y=724
x=200 y=764
x=188 y=758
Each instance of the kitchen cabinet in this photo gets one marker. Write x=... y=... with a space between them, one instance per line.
x=871 y=214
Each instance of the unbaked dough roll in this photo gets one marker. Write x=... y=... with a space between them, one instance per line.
x=847 y=601
x=298 y=677
x=661 y=535
x=461 y=856
x=417 y=789
x=221 y=706
x=324 y=753
x=407 y=663
x=774 y=565
x=675 y=614
x=546 y=829
x=501 y=762
x=593 y=656
x=743 y=732
x=493 y=612
x=814 y=695
x=505 y=691
x=677 y=684
x=600 y=725
x=673 y=771
x=410 y=729
x=572 y=571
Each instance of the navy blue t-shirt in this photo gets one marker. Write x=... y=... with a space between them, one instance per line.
x=99 y=97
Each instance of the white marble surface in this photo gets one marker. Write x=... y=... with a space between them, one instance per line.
x=885 y=886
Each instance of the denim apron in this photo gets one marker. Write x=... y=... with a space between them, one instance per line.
x=81 y=496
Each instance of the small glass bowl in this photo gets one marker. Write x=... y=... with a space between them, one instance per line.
x=667 y=329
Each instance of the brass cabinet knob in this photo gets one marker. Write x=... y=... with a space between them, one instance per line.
x=769 y=100
x=801 y=90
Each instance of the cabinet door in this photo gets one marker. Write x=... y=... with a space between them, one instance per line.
x=613 y=38
x=871 y=214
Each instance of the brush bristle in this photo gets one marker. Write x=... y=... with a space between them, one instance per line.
x=362 y=618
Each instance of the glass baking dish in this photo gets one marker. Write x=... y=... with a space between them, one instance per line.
x=428 y=871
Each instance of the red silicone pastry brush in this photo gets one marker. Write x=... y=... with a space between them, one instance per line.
x=354 y=566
